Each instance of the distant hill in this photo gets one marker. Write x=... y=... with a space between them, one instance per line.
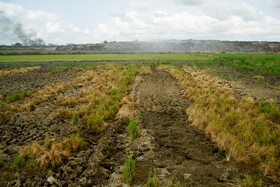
x=176 y=46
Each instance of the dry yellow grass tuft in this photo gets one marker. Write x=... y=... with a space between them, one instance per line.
x=51 y=90
x=30 y=106
x=64 y=113
x=139 y=78
x=53 y=157
x=146 y=70
x=128 y=109
x=15 y=71
x=54 y=152
x=43 y=156
x=66 y=101
x=74 y=143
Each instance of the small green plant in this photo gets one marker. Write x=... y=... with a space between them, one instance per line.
x=152 y=180
x=19 y=95
x=94 y=120
x=120 y=68
x=139 y=116
x=177 y=184
x=13 y=97
x=75 y=118
x=1 y=161
x=30 y=161
x=128 y=169
x=48 y=142
x=259 y=183
x=247 y=181
x=271 y=111
x=74 y=143
x=19 y=162
x=63 y=69
x=132 y=127
x=27 y=161
x=170 y=183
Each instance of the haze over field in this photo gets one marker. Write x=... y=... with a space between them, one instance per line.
x=86 y=21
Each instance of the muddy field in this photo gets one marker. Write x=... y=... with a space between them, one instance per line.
x=166 y=143
x=260 y=86
x=35 y=79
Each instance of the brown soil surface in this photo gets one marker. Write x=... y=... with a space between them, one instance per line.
x=35 y=79
x=166 y=144
x=180 y=151
x=104 y=152
x=259 y=86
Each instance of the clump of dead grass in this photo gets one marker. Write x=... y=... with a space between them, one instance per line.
x=74 y=143
x=30 y=106
x=145 y=70
x=45 y=157
x=139 y=79
x=16 y=71
x=66 y=101
x=128 y=109
x=64 y=113
x=51 y=90
x=53 y=153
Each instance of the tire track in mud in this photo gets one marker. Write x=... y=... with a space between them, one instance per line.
x=180 y=151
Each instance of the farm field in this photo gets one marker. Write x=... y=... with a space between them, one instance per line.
x=141 y=119
x=99 y=57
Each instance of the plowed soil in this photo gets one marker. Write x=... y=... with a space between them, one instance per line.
x=259 y=86
x=35 y=79
x=180 y=151
x=166 y=144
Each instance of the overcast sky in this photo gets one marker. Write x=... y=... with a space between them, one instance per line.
x=91 y=21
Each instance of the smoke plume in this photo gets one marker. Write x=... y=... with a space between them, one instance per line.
x=17 y=31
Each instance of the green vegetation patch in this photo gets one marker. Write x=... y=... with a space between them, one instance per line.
x=152 y=180
x=56 y=71
x=106 y=107
x=97 y=57
x=19 y=95
x=75 y=118
x=132 y=128
x=128 y=169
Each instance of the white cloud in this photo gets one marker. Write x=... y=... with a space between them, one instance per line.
x=53 y=27
x=189 y=2
x=159 y=13
x=143 y=20
x=222 y=11
x=86 y=31
x=73 y=28
x=12 y=10
x=241 y=22
x=34 y=15
x=141 y=6
x=46 y=25
x=274 y=3
x=103 y=32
